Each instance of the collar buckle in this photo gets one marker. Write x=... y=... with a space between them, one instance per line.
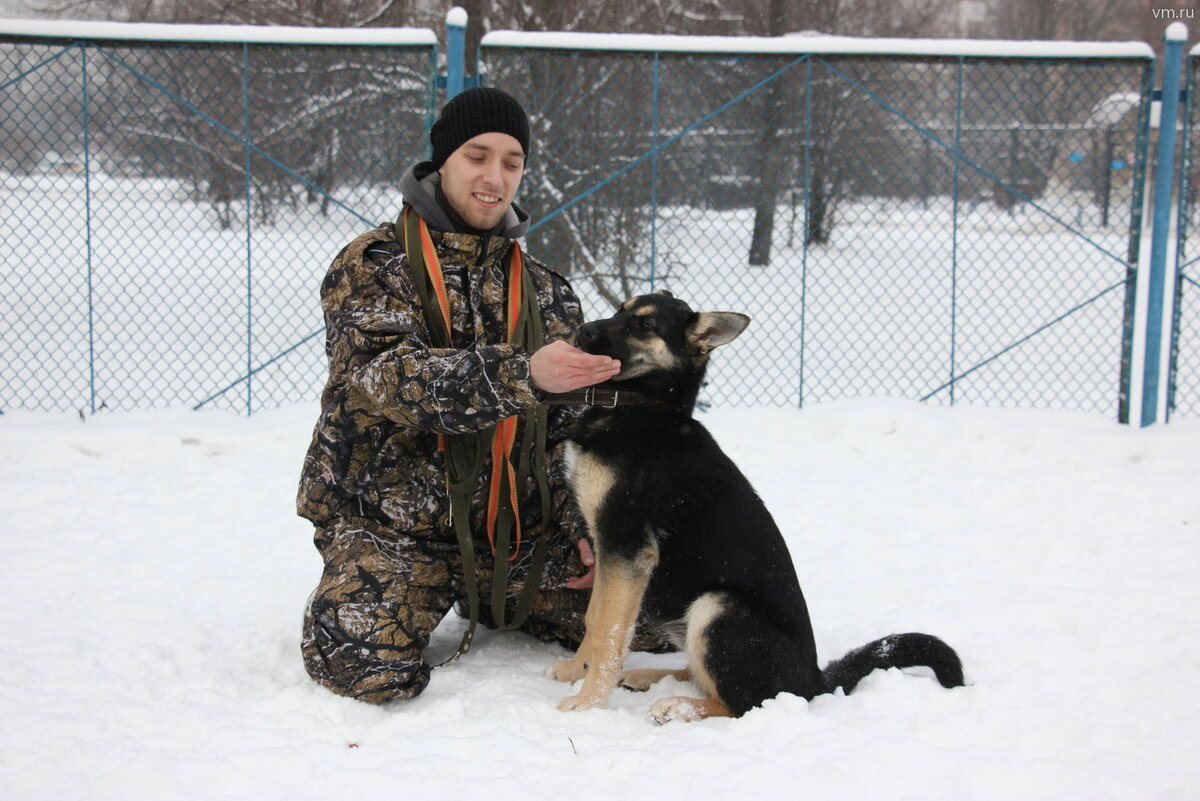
x=589 y=397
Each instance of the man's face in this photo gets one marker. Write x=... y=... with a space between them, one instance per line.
x=480 y=179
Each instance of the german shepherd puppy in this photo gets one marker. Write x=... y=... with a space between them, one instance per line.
x=681 y=536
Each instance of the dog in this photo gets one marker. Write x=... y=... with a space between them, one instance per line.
x=680 y=536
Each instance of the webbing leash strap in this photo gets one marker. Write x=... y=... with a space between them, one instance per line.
x=464 y=452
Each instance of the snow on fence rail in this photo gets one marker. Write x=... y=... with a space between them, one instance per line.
x=146 y=32
x=806 y=44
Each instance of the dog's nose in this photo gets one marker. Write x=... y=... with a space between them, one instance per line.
x=587 y=334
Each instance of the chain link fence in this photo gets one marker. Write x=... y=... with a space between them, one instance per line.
x=954 y=228
x=1184 y=390
x=168 y=209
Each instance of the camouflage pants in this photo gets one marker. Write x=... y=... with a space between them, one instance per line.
x=368 y=623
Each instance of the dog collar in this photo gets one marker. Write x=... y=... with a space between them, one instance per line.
x=593 y=396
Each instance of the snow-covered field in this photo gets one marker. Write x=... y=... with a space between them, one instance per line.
x=156 y=575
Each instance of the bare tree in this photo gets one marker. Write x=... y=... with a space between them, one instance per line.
x=829 y=128
x=304 y=13
x=591 y=118
x=1079 y=20
x=330 y=114
x=770 y=163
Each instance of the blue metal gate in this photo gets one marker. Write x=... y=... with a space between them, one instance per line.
x=955 y=224
x=1184 y=391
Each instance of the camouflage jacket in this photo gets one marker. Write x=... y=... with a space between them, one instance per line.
x=374 y=456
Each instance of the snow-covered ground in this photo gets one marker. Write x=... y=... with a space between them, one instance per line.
x=156 y=574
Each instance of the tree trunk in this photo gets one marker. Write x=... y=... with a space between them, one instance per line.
x=769 y=162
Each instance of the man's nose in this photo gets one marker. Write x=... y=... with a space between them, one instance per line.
x=493 y=174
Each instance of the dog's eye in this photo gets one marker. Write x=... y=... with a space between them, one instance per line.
x=645 y=324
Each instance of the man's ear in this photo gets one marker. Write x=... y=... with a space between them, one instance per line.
x=716 y=328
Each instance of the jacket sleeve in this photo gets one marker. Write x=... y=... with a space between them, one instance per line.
x=377 y=341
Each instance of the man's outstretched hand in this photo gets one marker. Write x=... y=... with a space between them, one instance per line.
x=559 y=367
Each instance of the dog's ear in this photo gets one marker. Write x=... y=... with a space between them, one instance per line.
x=716 y=328
x=665 y=293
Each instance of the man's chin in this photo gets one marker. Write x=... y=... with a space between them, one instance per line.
x=484 y=223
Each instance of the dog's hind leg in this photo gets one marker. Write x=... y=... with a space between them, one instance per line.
x=689 y=709
x=738 y=658
x=643 y=679
x=700 y=617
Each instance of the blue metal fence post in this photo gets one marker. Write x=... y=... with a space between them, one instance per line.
x=456 y=45
x=1164 y=174
x=1183 y=211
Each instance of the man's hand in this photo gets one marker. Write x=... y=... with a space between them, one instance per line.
x=589 y=561
x=559 y=367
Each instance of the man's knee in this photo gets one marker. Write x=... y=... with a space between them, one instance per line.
x=368 y=622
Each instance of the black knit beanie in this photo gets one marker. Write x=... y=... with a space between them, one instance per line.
x=473 y=112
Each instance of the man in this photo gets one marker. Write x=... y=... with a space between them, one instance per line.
x=407 y=423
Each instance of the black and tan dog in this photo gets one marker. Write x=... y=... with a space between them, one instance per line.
x=682 y=537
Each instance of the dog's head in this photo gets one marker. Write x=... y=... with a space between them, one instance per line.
x=659 y=334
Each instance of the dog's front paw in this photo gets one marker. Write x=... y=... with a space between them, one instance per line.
x=579 y=703
x=568 y=670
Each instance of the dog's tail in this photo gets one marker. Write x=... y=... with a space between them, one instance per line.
x=894 y=651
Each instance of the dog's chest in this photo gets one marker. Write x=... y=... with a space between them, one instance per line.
x=591 y=480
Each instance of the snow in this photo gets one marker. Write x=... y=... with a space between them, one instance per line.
x=156 y=575
x=1113 y=109
x=818 y=44
x=254 y=34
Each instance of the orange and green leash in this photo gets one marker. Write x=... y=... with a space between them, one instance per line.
x=464 y=452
